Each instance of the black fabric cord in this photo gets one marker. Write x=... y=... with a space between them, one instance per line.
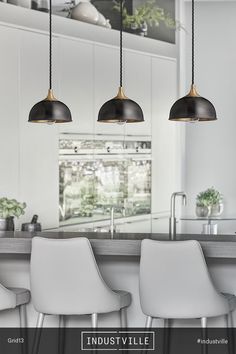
x=50 y=44
x=121 y=43
x=193 y=39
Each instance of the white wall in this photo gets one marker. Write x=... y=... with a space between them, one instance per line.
x=210 y=147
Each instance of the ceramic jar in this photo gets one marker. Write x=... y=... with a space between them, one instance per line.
x=101 y=20
x=85 y=12
x=217 y=209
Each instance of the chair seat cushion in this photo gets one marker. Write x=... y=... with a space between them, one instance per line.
x=125 y=298
x=22 y=295
x=231 y=301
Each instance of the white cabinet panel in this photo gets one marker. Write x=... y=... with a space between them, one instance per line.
x=164 y=139
x=137 y=84
x=38 y=142
x=160 y=225
x=75 y=64
x=9 y=92
x=139 y=226
x=106 y=71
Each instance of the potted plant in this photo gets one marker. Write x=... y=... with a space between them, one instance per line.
x=9 y=208
x=148 y=14
x=209 y=203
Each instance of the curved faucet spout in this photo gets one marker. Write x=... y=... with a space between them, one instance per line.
x=172 y=220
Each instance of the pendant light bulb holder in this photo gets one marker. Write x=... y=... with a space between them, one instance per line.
x=50 y=96
x=193 y=91
x=121 y=94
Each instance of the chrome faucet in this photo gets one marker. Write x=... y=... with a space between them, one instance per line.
x=172 y=220
x=112 y=222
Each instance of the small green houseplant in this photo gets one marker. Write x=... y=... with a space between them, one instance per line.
x=147 y=14
x=10 y=208
x=209 y=203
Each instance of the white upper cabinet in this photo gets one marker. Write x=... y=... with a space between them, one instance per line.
x=164 y=133
x=137 y=85
x=38 y=148
x=106 y=83
x=9 y=93
x=75 y=74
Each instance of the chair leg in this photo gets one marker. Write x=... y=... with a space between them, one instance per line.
x=38 y=331
x=230 y=332
x=61 y=321
x=123 y=318
x=23 y=316
x=166 y=323
x=166 y=337
x=204 y=334
x=230 y=320
x=94 y=320
x=23 y=328
x=204 y=322
x=62 y=335
x=148 y=322
x=40 y=320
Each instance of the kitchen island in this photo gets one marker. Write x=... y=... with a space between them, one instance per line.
x=118 y=260
x=123 y=244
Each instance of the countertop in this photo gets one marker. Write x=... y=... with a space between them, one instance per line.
x=123 y=244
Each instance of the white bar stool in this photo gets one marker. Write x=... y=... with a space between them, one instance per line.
x=65 y=280
x=11 y=298
x=175 y=284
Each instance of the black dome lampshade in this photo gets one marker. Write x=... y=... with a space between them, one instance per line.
x=120 y=109
x=50 y=110
x=192 y=107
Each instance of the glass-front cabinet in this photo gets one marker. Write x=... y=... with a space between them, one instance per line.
x=97 y=174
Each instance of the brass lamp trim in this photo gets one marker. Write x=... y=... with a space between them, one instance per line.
x=50 y=96
x=193 y=92
x=121 y=94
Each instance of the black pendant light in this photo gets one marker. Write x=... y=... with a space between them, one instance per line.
x=50 y=110
x=120 y=109
x=192 y=107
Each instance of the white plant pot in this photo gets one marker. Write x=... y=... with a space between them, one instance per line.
x=85 y=12
x=217 y=209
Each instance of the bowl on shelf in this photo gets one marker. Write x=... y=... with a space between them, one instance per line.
x=85 y=12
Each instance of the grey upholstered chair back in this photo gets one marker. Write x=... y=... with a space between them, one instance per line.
x=175 y=282
x=65 y=278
